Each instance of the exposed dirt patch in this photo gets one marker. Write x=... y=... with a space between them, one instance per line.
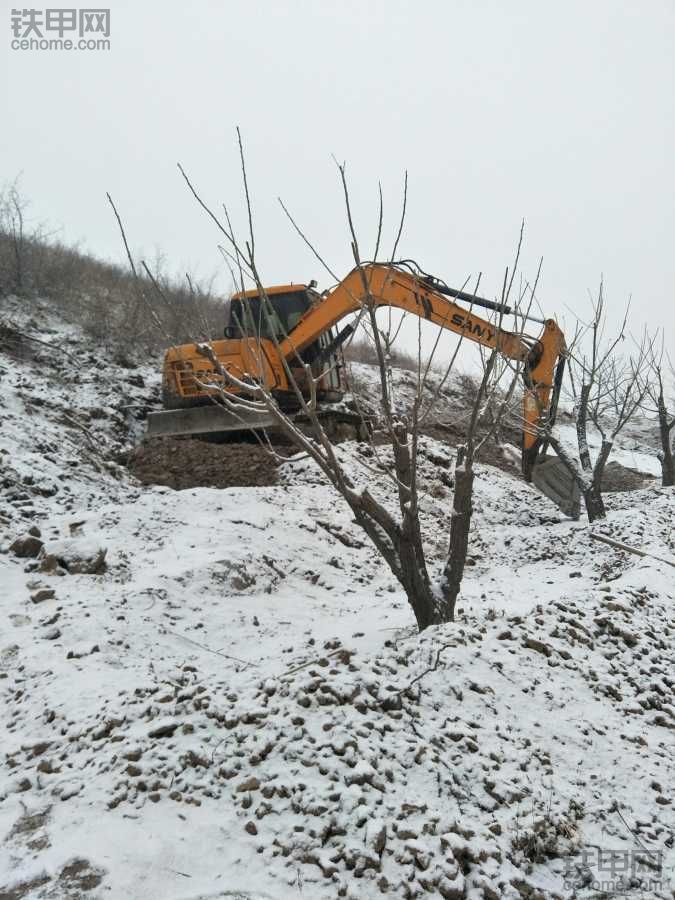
x=75 y=880
x=79 y=876
x=184 y=462
x=187 y=462
x=15 y=343
x=620 y=478
x=27 y=824
x=24 y=889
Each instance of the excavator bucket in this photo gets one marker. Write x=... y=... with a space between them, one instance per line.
x=210 y=419
x=555 y=480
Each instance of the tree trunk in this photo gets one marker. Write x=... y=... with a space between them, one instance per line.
x=582 y=435
x=415 y=583
x=595 y=506
x=17 y=239
x=666 y=454
x=402 y=550
x=410 y=550
x=668 y=468
x=459 y=538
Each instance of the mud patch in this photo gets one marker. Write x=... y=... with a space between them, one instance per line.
x=618 y=478
x=188 y=462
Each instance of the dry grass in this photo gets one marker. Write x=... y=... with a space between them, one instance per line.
x=105 y=300
x=363 y=351
x=131 y=314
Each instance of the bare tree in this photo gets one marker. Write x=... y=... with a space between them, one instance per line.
x=391 y=518
x=13 y=232
x=665 y=413
x=608 y=389
x=490 y=405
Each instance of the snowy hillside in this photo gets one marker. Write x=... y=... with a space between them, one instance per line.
x=216 y=693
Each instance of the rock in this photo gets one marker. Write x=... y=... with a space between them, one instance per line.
x=452 y=889
x=35 y=531
x=133 y=755
x=251 y=784
x=376 y=835
x=49 y=565
x=78 y=556
x=52 y=634
x=106 y=729
x=361 y=774
x=43 y=594
x=165 y=728
x=539 y=646
x=83 y=651
x=68 y=791
x=251 y=827
x=39 y=748
x=26 y=546
x=9 y=654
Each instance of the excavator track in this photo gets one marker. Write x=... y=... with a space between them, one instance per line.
x=214 y=419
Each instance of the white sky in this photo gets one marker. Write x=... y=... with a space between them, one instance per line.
x=561 y=113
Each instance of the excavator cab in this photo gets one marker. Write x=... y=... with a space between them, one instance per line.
x=191 y=389
x=249 y=317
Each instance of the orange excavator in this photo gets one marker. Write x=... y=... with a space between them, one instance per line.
x=291 y=325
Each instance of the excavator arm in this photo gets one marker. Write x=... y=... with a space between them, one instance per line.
x=387 y=285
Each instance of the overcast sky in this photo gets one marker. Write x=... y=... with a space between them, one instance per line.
x=559 y=113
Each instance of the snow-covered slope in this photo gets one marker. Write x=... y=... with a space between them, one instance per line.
x=238 y=706
x=68 y=410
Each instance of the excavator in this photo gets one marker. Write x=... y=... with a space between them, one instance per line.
x=286 y=327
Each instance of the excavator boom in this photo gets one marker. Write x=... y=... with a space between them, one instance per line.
x=387 y=285
x=390 y=286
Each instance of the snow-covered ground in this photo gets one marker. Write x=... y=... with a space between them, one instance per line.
x=239 y=706
x=634 y=450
